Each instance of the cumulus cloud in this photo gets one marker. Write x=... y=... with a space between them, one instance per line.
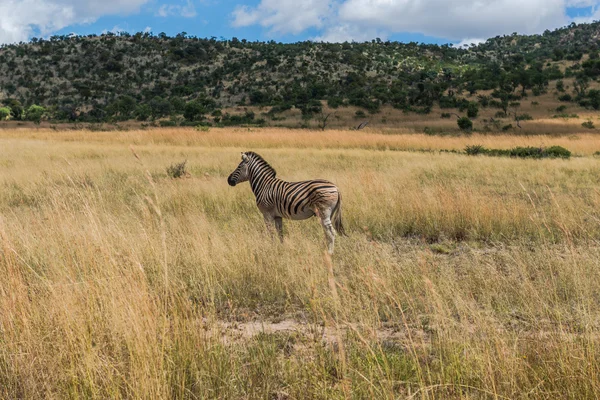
x=20 y=19
x=456 y=19
x=469 y=42
x=453 y=20
x=345 y=32
x=284 y=16
x=186 y=10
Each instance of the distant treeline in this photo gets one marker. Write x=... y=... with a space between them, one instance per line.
x=189 y=80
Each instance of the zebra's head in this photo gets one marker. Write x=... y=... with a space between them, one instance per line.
x=241 y=172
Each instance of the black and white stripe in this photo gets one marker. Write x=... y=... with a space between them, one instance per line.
x=278 y=199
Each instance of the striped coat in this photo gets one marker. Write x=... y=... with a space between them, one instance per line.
x=278 y=199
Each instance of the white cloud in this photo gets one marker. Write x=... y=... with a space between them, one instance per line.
x=20 y=19
x=456 y=19
x=346 y=33
x=468 y=42
x=284 y=16
x=187 y=10
x=453 y=20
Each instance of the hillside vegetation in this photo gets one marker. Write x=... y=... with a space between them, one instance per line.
x=186 y=80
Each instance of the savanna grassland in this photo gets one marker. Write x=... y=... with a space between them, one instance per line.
x=461 y=277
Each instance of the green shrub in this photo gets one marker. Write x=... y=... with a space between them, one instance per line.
x=167 y=123
x=588 y=124
x=335 y=102
x=556 y=152
x=525 y=117
x=565 y=97
x=34 y=113
x=472 y=110
x=520 y=152
x=507 y=127
x=465 y=124
x=473 y=150
x=4 y=113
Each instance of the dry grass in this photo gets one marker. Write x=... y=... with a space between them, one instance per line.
x=462 y=277
x=579 y=140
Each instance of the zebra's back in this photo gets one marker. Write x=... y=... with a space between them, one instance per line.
x=299 y=200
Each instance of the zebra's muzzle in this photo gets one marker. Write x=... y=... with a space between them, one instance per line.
x=231 y=181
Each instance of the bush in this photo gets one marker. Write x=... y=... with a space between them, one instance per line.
x=565 y=97
x=525 y=117
x=465 y=124
x=556 y=152
x=167 y=123
x=446 y=115
x=565 y=115
x=507 y=127
x=472 y=110
x=279 y=108
x=520 y=152
x=335 y=102
x=588 y=124
x=177 y=170
x=360 y=114
x=475 y=149
x=4 y=113
x=561 y=109
x=34 y=113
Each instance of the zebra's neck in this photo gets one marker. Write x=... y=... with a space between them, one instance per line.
x=261 y=175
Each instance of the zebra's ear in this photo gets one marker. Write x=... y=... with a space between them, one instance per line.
x=244 y=157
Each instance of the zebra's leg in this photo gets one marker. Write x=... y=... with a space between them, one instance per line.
x=269 y=222
x=279 y=227
x=325 y=217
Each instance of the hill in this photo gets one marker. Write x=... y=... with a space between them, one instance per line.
x=188 y=80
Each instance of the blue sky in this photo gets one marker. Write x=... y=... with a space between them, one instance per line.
x=430 y=21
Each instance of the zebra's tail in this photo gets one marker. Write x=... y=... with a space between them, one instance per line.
x=336 y=217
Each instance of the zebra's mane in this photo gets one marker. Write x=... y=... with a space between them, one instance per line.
x=262 y=161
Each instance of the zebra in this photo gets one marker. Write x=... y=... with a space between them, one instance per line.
x=277 y=199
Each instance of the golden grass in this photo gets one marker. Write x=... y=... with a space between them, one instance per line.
x=462 y=277
x=580 y=142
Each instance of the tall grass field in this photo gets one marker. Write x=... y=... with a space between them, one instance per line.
x=462 y=277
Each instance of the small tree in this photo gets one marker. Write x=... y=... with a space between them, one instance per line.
x=472 y=110
x=34 y=113
x=143 y=112
x=4 y=113
x=465 y=124
x=194 y=111
x=16 y=109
